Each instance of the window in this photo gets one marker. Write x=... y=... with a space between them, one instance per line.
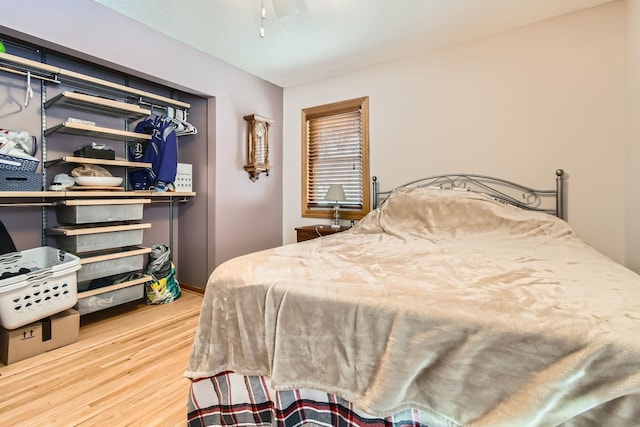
x=335 y=139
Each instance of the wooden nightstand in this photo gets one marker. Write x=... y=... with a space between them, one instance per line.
x=309 y=232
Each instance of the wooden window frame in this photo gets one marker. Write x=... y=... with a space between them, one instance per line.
x=361 y=104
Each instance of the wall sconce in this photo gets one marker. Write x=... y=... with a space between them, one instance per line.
x=257 y=146
x=336 y=195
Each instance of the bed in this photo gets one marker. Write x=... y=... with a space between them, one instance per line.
x=461 y=300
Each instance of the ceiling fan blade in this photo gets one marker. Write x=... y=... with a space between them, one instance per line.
x=285 y=7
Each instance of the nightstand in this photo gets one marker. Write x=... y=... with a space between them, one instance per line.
x=309 y=232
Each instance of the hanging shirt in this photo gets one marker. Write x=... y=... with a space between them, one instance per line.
x=161 y=151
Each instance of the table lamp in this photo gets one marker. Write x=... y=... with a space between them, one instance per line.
x=336 y=194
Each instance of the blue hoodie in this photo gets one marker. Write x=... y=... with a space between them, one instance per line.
x=161 y=152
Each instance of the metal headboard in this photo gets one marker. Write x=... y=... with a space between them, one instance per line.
x=500 y=189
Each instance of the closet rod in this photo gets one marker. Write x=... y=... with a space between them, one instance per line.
x=151 y=104
x=23 y=73
x=183 y=200
x=162 y=107
x=27 y=204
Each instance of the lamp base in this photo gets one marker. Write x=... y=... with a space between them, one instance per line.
x=336 y=218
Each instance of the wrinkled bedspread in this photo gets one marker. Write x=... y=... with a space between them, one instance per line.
x=476 y=312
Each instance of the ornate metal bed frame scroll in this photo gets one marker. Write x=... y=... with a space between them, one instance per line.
x=500 y=189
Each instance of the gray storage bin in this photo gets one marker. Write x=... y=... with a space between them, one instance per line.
x=77 y=240
x=103 y=210
x=109 y=299
x=15 y=163
x=20 y=181
x=95 y=267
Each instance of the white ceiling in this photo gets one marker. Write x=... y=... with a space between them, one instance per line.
x=329 y=37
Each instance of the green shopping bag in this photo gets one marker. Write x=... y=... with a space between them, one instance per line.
x=165 y=287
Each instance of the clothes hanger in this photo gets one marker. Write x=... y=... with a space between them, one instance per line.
x=9 y=101
x=187 y=128
x=29 y=91
x=181 y=126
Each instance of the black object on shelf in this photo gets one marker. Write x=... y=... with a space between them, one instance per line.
x=88 y=151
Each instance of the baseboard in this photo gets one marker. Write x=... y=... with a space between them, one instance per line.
x=192 y=288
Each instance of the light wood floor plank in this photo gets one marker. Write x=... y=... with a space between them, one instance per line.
x=126 y=370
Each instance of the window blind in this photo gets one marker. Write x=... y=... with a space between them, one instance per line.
x=335 y=156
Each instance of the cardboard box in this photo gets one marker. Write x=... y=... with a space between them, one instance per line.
x=35 y=338
x=60 y=329
x=21 y=343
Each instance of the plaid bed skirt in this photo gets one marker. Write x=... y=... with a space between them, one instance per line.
x=229 y=399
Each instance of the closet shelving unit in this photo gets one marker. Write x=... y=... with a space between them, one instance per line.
x=123 y=101
x=107 y=99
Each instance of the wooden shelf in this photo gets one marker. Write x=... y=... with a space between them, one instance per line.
x=165 y=194
x=104 y=202
x=81 y=129
x=80 y=230
x=89 y=194
x=92 y=161
x=92 y=292
x=95 y=104
x=80 y=80
x=22 y=65
x=115 y=255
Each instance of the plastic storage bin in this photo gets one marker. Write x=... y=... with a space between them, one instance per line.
x=93 y=303
x=102 y=210
x=15 y=163
x=77 y=239
x=95 y=267
x=37 y=283
x=20 y=181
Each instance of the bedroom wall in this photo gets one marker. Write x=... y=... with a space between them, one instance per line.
x=234 y=215
x=518 y=105
x=632 y=193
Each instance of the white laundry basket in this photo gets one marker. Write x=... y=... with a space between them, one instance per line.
x=47 y=285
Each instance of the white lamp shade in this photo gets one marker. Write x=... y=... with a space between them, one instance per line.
x=335 y=193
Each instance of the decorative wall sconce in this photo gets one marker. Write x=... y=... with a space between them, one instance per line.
x=257 y=145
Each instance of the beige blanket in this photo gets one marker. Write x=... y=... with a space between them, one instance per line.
x=475 y=312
